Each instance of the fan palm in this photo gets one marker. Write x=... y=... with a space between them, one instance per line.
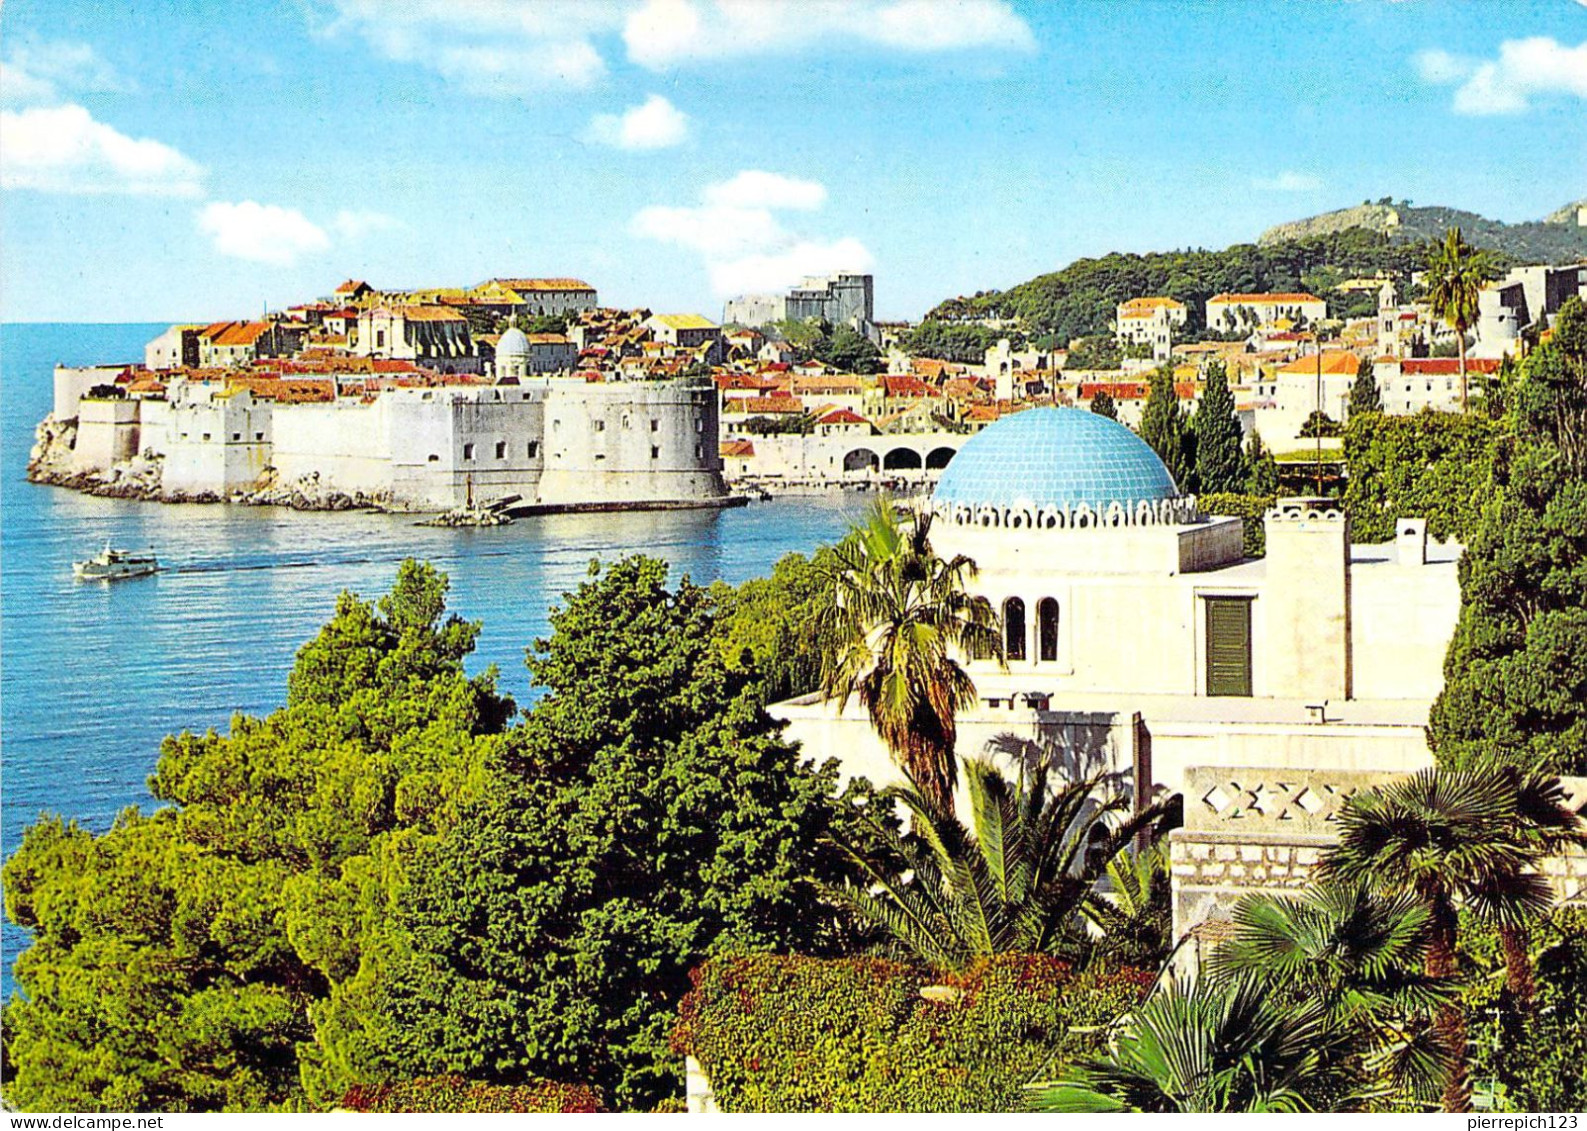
x=1216 y=1045
x=899 y=620
x=1449 y=838
x=1013 y=882
x=1359 y=955
x=1455 y=274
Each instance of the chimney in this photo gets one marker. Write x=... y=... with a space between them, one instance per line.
x=1410 y=541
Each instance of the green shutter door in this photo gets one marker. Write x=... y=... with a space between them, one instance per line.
x=1228 y=646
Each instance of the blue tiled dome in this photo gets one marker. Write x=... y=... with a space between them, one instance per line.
x=1055 y=457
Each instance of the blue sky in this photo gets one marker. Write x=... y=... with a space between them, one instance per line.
x=190 y=160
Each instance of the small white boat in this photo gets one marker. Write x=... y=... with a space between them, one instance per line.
x=113 y=565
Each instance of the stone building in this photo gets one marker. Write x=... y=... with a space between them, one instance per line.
x=1230 y=312
x=1525 y=299
x=843 y=299
x=1150 y=322
x=434 y=336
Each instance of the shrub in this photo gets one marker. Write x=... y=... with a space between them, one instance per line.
x=803 y=1034
x=454 y=1094
x=1535 y=1062
x=1250 y=509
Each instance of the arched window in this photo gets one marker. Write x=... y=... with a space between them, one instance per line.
x=1014 y=628
x=1047 y=629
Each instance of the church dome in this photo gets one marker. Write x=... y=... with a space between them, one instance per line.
x=512 y=344
x=1055 y=457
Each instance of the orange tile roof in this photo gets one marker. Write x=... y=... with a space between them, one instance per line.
x=235 y=333
x=544 y=284
x=767 y=404
x=1446 y=366
x=429 y=313
x=737 y=449
x=1275 y=296
x=1335 y=363
x=843 y=416
x=351 y=286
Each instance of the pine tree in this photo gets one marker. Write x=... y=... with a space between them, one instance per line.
x=1364 y=396
x=1262 y=474
x=1103 y=405
x=1219 y=465
x=1163 y=428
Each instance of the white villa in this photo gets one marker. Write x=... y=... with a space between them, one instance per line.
x=1141 y=641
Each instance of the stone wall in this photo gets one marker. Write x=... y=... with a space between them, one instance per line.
x=1249 y=830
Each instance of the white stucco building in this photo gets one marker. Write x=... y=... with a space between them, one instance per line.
x=1141 y=641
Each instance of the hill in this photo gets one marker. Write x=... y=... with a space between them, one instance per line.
x=1555 y=239
x=1079 y=300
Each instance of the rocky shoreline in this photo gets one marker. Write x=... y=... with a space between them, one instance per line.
x=139 y=478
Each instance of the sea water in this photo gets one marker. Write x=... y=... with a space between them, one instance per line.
x=94 y=674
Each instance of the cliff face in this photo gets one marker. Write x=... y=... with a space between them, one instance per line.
x=1572 y=215
x=1560 y=238
x=1374 y=217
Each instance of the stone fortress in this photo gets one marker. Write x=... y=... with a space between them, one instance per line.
x=844 y=299
x=417 y=419
x=1144 y=646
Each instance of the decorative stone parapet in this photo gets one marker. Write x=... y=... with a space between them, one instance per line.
x=1249 y=830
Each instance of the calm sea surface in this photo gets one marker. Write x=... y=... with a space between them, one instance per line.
x=92 y=675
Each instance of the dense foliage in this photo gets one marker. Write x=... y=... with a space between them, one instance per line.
x=772 y=625
x=1165 y=426
x=648 y=816
x=1536 y=1059
x=1081 y=299
x=1220 y=462
x=1250 y=509
x=799 y=1034
x=1434 y=465
x=964 y=343
x=177 y=957
x=1516 y=673
x=385 y=881
x=455 y=1095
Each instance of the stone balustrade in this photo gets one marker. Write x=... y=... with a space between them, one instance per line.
x=1262 y=829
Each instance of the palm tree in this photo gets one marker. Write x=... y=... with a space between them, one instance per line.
x=898 y=620
x=1455 y=273
x=1448 y=838
x=1015 y=881
x=1217 y=1045
x=1359 y=955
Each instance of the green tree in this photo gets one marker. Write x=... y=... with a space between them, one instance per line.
x=647 y=815
x=1102 y=404
x=1434 y=465
x=1262 y=476
x=1449 y=838
x=772 y=626
x=851 y=352
x=1364 y=395
x=1163 y=427
x=1515 y=682
x=1219 y=463
x=1455 y=274
x=897 y=622
x=1015 y=881
x=179 y=958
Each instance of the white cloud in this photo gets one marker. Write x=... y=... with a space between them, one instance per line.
x=1525 y=69
x=665 y=33
x=1288 y=181
x=353 y=225
x=39 y=71
x=63 y=149
x=744 y=246
x=754 y=188
x=775 y=271
x=491 y=47
x=653 y=124
x=263 y=233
